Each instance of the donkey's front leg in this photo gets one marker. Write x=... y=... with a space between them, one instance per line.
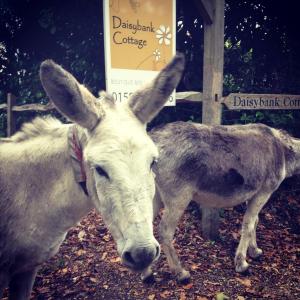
x=253 y=250
x=147 y=275
x=21 y=285
x=248 y=236
x=167 y=229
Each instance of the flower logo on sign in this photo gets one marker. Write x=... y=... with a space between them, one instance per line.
x=163 y=34
x=156 y=54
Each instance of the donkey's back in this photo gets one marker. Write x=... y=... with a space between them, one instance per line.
x=225 y=165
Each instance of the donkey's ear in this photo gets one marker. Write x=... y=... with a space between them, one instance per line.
x=72 y=99
x=147 y=103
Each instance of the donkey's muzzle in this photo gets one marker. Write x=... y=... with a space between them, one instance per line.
x=139 y=258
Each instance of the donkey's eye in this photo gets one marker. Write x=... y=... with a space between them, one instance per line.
x=101 y=172
x=154 y=162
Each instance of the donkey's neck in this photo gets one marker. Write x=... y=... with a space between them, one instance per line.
x=69 y=200
x=57 y=202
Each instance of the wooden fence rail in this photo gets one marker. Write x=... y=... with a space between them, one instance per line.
x=11 y=107
x=234 y=101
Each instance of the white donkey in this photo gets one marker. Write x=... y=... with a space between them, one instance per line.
x=51 y=175
x=219 y=166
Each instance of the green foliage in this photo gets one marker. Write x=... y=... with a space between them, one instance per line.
x=276 y=119
x=69 y=32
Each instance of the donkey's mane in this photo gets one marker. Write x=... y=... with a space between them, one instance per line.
x=39 y=126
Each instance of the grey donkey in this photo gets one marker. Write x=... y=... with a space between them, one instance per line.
x=219 y=166
x=53 y=174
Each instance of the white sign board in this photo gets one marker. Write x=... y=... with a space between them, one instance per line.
x=139 y=42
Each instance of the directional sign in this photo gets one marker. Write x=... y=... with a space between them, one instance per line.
x=237 y=101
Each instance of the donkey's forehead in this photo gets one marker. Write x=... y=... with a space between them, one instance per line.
x=119 y=122
x=120 y=131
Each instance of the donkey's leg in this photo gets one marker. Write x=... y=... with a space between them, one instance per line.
x=21 y=285
x=248 y=227
x=167 y=229
x=147 y=274
x=253 y=250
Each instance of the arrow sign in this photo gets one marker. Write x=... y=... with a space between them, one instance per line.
x=237 y=101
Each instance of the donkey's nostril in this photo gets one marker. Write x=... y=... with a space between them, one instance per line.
x=141 y=257
x=128 y=257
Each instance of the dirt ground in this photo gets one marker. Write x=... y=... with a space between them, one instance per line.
x=88 y=267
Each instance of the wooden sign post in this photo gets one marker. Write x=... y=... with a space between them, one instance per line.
x=213 y=16
x=11 y=121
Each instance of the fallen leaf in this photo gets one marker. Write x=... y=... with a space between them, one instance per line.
x=64 y=271
x=195 y=267
x=187 y=286
x=211 y=282
x=235 y=235
x=240 y=298
x=268 y=216
x=42 y=290
x=267 y=295
x=221 y=296
x=201 y=298
x=252 y=291
x=81 y=235
x=151 y=297
x=93 y=279
x=182 y=296
x=106 y=237
x=122 y=269
x=80 y=252
x=165 y=294
x=246 y=282
x=137 y=293
x=104 y=255
x=68 y=292
x=115 y=260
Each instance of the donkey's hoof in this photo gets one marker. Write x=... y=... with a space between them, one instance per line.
x=149 y=279
x=147 y=276
x=241 y=266
x=183 y=277
x=254 y=252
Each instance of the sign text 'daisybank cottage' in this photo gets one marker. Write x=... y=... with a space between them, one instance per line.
x=262 y=101
x=133 y=28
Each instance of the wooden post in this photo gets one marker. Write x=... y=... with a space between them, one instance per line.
x=212 y=90
x=11 y=121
